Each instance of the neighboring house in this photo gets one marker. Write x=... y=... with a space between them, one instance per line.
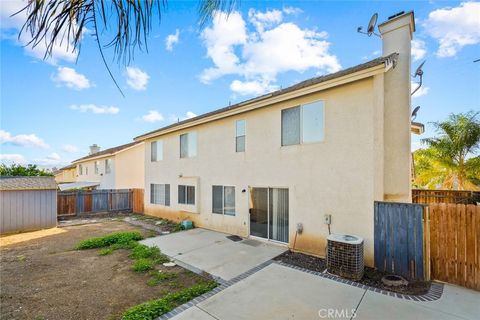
x=330 y=145
x=27 y=203
x=66 y=174
x=120 y=167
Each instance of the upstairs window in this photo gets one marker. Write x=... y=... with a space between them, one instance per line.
x=240 y=136
x=108 y=166
x=80 y=169
x=188 y=145
x=97 y=167
x=223 y=200
x=160 y=194
x=156 y=150
x=303 y=124
x=186 y=194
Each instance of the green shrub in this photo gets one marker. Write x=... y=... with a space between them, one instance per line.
x=109 y=239
x=125 y=245
x=155 y=308
x=159 y=277
x=143 y=265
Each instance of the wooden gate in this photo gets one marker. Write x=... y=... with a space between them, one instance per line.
x=398 y=239
x=455 y=244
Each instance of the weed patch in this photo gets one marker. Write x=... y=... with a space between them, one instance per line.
x=160 y=277
x=155 y=308
x=109 y=239
x=143 y=265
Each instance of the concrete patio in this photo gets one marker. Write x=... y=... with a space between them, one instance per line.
x=214 y=253
x=279 y=292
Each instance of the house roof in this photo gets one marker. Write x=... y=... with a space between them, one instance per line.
x=70 y=166
x=27 y=183
x=300 y=85
x=77 y=185
x=107 y=152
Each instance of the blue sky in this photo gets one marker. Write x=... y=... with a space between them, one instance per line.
x=51 y=111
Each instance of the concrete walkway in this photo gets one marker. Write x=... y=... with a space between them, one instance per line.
x=214 y=253
x=279 y=292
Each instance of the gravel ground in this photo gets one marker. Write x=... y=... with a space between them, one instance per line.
x=371 y=277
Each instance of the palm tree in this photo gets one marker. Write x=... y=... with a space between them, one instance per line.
x=51 y=22
x=451 y=160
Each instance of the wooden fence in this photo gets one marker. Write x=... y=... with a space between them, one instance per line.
x=71 y=203
x=455 y=244
x=399 y=239
x=445 y=196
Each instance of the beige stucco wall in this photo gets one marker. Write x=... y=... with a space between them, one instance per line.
x=130 y=167
x=336 y=176
x=106 y=180
x=127 y=169
x=65 y=176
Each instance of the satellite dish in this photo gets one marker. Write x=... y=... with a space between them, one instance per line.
x=372 y=24
x=419 y=71
x=414 y=113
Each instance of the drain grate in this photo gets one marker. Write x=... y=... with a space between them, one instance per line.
x=234 y=238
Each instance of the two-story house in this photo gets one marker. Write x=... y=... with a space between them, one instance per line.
x=330 y=145
x=120 y=167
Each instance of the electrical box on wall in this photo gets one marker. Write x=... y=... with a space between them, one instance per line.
x=327 y=219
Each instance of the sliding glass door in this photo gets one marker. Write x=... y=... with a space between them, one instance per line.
x=269 y=213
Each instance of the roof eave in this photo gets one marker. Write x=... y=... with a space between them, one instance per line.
x=272 y=99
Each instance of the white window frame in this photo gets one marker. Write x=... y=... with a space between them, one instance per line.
x=239 y=136
x=165 y=194
x=301 y=124
x=190 y=154
x=108 y=166
x=223 y=200
x=97 y=167
x=158 y=156
x=186 y=186
x=80 y=169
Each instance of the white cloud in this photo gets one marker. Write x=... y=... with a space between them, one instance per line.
x=70 y=148
x=50 y=160
x=152 y=116
x=24 y=140
x=10 y=26
x=454 y=27
x=137 y=79
x=419 y=50
x=259 y=56
x=95 y=109
x=171 y=40
x=267 y=19
x=190 y=114
x=420 y=92
x=10 y=158
x=292 y=10
x=251 y=87
x=71 y=78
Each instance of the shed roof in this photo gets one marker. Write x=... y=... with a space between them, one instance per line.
x=300 y=85
x=27 y=183
x=108 y=152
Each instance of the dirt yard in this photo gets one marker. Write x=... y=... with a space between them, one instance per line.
x=42 y=277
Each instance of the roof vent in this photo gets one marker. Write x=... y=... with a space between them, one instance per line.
x=396 y=15
x=94 y=148
x=345 y=256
